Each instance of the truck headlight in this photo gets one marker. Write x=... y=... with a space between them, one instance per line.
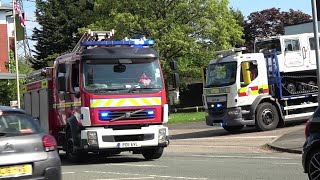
x=92 y=137
x=162 y=137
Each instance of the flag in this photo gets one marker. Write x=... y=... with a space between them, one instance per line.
x=18 y=10
x=20 y=22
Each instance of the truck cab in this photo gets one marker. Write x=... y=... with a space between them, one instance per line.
x=232 y=84
x=108 y=97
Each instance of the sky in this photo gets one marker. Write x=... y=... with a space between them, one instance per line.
x=245 y=6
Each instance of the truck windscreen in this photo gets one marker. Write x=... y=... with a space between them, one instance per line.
x=221 y=74
x=268 y=46
x=122 y=76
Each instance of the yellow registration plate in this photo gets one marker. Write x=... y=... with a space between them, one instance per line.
x=14 y=171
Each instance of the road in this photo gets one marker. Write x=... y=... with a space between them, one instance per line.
x=199 y=152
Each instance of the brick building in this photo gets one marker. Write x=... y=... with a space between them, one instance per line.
x=6 y=35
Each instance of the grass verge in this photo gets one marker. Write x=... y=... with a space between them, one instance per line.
x=176 y=118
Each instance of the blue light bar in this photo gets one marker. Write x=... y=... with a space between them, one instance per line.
x=103 y=115
x=113 y=43
x=150 y=113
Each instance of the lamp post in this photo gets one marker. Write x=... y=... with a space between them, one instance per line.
x=15 y=51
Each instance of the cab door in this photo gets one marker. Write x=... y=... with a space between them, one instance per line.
x=293 y=52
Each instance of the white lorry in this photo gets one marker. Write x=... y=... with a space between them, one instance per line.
x=277 y=83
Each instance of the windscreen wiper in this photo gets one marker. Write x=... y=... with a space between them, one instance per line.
x=106 y=90
x=141 y=88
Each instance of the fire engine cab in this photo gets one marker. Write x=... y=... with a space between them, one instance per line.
x=104 y=98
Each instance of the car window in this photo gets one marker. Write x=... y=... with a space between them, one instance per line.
x=17 y=124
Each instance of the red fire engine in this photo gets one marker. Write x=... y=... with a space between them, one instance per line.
x=105 y=97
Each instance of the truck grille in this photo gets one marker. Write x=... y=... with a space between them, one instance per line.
x=138 y=137
x=213 y=111
x=128 y=114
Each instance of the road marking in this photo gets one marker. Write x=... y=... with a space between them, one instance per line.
x=144 y=176
x=127 y=178
x=136 y=165
x=227 y=137
x=68 y=172
x=215 y=146
x=287 y=163
x=243 y=157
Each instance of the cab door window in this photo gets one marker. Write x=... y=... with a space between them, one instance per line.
x=249 y=72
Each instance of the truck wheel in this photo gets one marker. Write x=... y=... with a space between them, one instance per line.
x=72 y=155
x=154 y=153
x=267 y=117
x=233 y=129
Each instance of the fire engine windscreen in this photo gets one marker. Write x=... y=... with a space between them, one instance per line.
x=122 y=75
x=268 y=46
x=221 y=74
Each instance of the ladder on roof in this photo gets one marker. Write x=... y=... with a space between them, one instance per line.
x=93 y=36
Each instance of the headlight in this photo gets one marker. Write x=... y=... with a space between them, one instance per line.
x=92 y=137
x=162 y=135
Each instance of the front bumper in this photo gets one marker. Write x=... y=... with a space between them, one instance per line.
x=229 y=117
x=48 y=169
x=109 y=139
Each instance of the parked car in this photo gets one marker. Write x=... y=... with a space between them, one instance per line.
x=26 y=151
x=311 y=147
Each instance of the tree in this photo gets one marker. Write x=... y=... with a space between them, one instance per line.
x=270 y=22
x=59 y=21
x=8 y=88
x=185 y=30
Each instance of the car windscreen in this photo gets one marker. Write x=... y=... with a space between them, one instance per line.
x=17 y=124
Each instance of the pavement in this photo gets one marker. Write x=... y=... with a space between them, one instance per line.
x=291 y=142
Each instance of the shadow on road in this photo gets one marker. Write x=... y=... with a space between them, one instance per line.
x=219 y=131
x=95 y=159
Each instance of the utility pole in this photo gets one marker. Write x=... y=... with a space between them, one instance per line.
x=316 y=37
x=15 y=51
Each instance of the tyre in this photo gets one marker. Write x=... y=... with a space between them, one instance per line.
x=314 y=165
x=74 y=156
x=267 y=117
x=154 y=153
x=291 y=88
x=233 y=129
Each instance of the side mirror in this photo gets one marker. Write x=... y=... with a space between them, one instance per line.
x=62 y=83
x=174 y=65
x=204 y=75
x=62 y=68
x=37 y=120
x=176 y=80
x=77 y=94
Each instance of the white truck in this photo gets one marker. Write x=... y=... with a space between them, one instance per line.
x=277 y=83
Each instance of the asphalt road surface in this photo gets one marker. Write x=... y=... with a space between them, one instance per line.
x=199 y=152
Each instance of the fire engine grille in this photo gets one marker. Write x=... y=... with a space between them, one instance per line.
x=137 y=137
x=217 y=111
x=127 y=115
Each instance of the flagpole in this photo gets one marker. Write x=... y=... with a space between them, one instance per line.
x=15 y=51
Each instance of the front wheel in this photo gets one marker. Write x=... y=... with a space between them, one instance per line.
x=233 y=129
x=154 y=153
x=267 y=117
x=314 y=165
x=73 y=155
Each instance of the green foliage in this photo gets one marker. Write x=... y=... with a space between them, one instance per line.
x=59 y=22
x=8 y=88
x=184 y=30
x=176 y=118
x=270 y=22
